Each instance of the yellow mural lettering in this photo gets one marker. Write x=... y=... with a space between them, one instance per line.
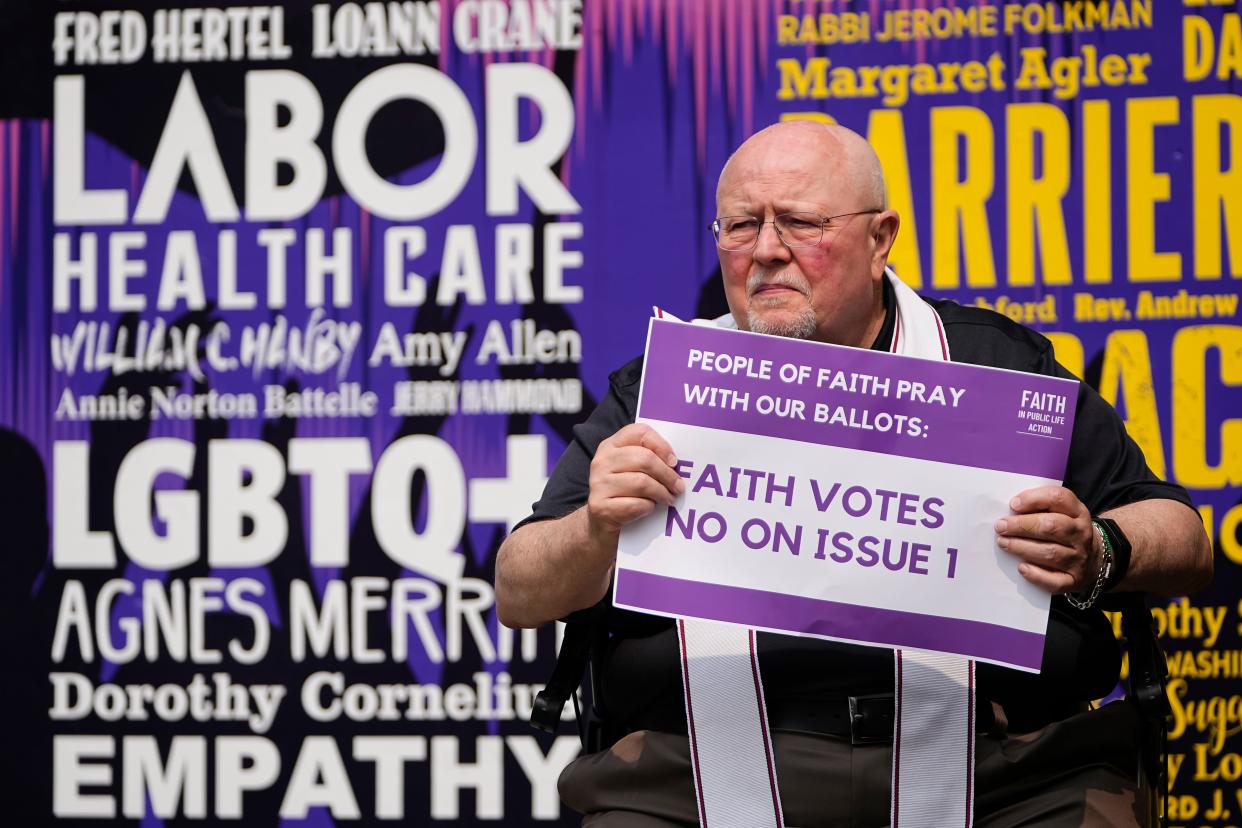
x=1175 y=761
x=1203 y=56
x=827 y=28
x=1028 y=312
x=1181 y=619
x=1185 y=305
x=1216 y=809
x=1218 y=717
x=1206 y=664
x=1218 y=191
x=1067 y=75
x=1097 y=193
x=1146 y=188
x=1191 y=466
x=1035 y=202
x=893 y=84
x=959 y=197
x=1198 y=47
x=1068 y=350
x=1176 y=689
x=1182 y=807
x=1037 y=168
x=939 y=23
x=798 y=81
x=1212 y=768
x=1055 y=18
x=1091 y=308
x=1230 y=543
x=887 y=134
x=1126 y=375
x=819 y=117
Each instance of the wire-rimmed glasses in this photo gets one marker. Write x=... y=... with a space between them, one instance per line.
x=798 y=229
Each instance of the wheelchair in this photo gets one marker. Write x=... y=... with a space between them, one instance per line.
x=585 y=637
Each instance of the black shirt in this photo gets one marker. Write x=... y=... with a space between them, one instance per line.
x=641 y=678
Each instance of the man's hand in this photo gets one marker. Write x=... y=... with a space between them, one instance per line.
x=550 y=568
x=632 y=471
x=1052 y=535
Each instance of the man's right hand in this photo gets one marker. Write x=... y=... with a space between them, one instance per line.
x=632 y=471
x=550 y=568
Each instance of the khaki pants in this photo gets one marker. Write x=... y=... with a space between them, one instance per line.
x=1076 y=772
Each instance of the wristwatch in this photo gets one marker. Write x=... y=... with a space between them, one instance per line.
x=1120 y=545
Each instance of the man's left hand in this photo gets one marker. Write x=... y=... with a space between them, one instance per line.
x=1051 y=534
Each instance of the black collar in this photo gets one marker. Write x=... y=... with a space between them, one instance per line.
x=884 y=339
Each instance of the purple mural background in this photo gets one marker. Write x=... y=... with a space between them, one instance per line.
x=656 y=94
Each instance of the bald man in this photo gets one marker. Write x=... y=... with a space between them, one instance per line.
x=1046 y=761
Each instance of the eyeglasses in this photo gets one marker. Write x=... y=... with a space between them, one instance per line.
x=738 y=233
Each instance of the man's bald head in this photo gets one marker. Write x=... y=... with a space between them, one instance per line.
x=839 y=154
x=830 y=289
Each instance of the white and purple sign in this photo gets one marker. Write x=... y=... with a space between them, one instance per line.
x=844 y=493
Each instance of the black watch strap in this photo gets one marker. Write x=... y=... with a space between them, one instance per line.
x=1121 y=550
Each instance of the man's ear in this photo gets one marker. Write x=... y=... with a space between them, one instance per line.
x=883 y=231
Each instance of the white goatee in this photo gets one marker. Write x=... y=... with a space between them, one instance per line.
x=800 y=325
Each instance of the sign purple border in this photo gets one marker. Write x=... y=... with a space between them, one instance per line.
x=831 y=619
x=999 y=413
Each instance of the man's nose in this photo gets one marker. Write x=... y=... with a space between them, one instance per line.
x=769 y=246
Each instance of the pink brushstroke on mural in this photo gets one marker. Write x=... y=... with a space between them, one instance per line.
x=714 y=24
x=731 y=50
x=727 y=43
x=920 y=45
x=761 y=26
x=6 y=182
x=364 y=232
x=698 y=48
x=628 y=9
x=29 y=420
x=580 y=104
x=15 y=154
x=669 y=23
x=566 y=163
x=597 y=54
x=488 y=59
x=45 y=141
x=610 y=23
x=40 y=357
x=446 y=35
x=747 y=61
x=533 y=114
